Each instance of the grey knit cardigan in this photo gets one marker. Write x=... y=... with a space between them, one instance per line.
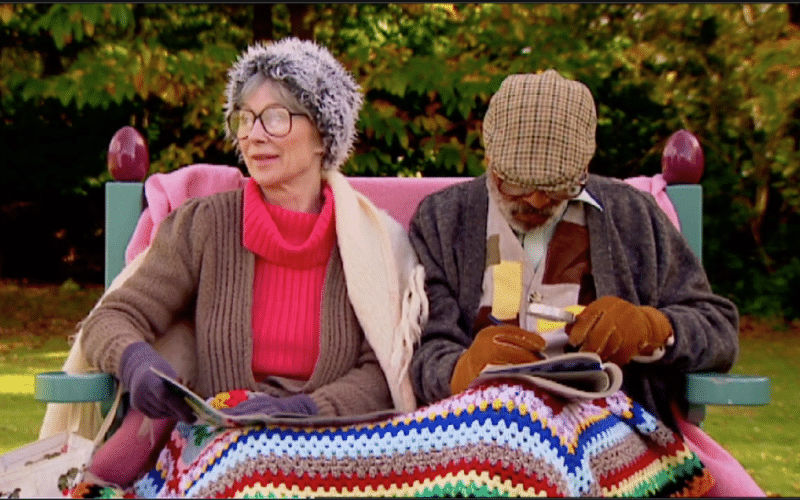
x=636 y=254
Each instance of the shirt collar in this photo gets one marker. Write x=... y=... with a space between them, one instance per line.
x=585 y=197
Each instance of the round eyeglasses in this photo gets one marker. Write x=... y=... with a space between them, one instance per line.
x=515 y=191
x=276 y=120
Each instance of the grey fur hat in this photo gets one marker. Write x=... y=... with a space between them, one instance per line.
x=316 y=79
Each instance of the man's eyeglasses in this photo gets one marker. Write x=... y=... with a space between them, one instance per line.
x=276 y=120
x=516 y=192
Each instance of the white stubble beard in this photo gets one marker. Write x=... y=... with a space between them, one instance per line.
x=509 y=208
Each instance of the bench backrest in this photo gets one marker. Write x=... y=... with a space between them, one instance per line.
x=682 y=166
x=399 y=196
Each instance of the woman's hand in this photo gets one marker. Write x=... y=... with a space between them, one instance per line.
x=148 y=392
x=269 y=405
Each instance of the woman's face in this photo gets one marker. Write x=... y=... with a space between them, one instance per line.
x=293 y=160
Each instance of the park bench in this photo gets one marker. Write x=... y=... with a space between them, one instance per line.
x=399 y=196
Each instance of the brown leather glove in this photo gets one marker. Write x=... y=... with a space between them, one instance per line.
x=618 y=330
x=497 y=345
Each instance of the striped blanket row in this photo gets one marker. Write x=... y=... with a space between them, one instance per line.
x=501 y=438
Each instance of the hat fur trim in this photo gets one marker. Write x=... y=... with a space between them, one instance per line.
x=316 y=79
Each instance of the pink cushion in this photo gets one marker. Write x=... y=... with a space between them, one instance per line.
x=166 y=191
x=657 y=186
x=730 y=478
x=399 y=196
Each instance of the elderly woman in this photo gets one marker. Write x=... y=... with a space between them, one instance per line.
x=296 y=283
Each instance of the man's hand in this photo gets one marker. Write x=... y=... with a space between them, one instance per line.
x=496 y=345
x=618 y=330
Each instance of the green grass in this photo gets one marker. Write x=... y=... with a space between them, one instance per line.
x=35 y=325
x=765 y=439
x=20 y=414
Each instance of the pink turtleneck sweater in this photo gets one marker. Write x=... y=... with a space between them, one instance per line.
x=292 y=252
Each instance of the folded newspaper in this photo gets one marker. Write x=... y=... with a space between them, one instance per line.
x=574 y=375
x=578 y=375
x=207 y=414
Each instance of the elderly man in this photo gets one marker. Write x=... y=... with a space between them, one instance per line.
x=537 y=231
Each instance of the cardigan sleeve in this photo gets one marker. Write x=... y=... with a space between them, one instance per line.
x=147 y=303
x=448 y=232
x=638 y=255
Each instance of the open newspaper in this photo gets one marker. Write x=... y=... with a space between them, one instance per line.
x=578 y=375
x=575 y=375
x=207 y=414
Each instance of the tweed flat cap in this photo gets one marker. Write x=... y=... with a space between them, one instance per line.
x=316 y=79
x=539 y=131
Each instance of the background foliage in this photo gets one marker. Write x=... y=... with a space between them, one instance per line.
x=72 y=74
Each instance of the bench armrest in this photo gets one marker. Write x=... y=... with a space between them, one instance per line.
x=723 y=389
x=61 y=387
x=727 y=389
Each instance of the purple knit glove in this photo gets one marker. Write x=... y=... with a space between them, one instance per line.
x=149 y=394
x=270 y=405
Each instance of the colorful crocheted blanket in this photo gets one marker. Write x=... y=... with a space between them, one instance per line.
x=500 y=438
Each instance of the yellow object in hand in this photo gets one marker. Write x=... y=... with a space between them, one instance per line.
x=546 y=325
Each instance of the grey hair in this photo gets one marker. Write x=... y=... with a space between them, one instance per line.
x=282 y=94
x=317 y=81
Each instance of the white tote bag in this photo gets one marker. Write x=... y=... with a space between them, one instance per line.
x=48 y=467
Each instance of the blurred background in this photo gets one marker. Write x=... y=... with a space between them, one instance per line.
x=72 y=74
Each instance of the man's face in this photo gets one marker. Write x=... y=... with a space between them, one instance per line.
x=525 y=209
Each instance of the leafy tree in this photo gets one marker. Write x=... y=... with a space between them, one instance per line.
x=72 y=74
x=729 y=74
x=153 y=66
